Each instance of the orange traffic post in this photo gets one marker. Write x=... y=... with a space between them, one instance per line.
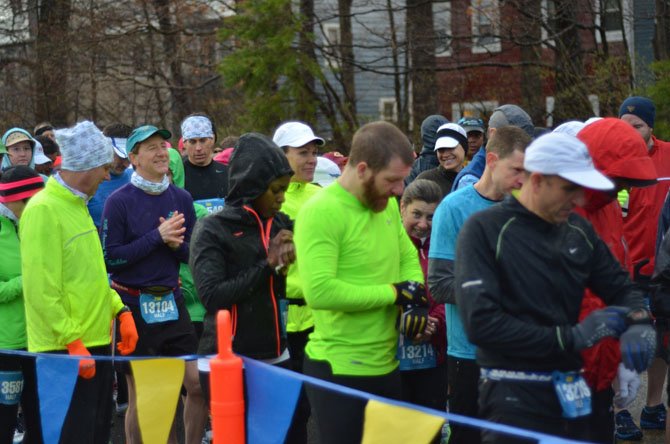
x=227 y=392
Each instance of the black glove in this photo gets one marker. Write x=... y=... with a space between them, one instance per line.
x=638 y=343
x=410 y=293
x=606 y=322
x=413 y=320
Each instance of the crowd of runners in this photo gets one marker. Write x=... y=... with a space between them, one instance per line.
x=510 y=273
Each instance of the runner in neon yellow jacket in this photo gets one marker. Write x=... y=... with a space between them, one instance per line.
x=12 y=315
x=299 y=316
x=17 y=185
x=67 y=295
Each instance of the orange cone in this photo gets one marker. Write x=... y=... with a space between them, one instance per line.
x=227 y=390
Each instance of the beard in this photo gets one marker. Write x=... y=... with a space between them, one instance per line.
x=374 y=200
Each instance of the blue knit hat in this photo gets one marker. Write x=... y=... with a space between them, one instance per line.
x=641 y=107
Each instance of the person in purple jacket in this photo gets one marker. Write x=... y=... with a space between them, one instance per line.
x=146 y=229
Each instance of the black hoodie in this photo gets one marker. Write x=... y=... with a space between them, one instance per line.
x=229 y=258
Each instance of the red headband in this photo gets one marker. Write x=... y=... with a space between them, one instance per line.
x=13 y=191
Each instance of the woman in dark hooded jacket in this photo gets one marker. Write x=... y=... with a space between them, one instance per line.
x=239 y=255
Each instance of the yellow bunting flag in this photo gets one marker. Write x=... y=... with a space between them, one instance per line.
x=157 y=385
x=388 y=424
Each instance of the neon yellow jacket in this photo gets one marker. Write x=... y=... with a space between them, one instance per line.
x=299 y=316
x=348 y=257
x=12 y=317
x=65 y=286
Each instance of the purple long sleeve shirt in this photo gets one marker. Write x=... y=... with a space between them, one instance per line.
x=135 y=253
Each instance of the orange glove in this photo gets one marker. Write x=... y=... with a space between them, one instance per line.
x=128 y=333
x=86 y=366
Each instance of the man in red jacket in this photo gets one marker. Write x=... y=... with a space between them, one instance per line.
x=619 y=153
x=640 y=227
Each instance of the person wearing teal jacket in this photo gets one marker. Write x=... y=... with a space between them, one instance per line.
x=357 y=265
x=69 y=304
x=17 y=373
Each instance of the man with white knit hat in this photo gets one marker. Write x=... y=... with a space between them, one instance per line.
x=69 y=304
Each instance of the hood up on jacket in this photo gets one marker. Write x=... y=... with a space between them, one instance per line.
x=256 y=162
x=429 y=128
x=6 y=163
x=619 y=152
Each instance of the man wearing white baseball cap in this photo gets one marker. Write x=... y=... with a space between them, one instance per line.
x=521 y=270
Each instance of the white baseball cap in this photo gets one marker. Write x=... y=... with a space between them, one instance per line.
x=326 y=171
x=295 y=134
x=38 y=154
x=565 y=156
x=571 y=127
x=450 y=135
x=119 y=145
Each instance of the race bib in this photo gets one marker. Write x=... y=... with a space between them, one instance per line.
x=283 y=315
x=11 y=386
x=573 y=393
x=415 y=355
x=157 y=309
x=212 y=205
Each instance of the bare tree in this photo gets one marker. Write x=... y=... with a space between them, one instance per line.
x=421 y=55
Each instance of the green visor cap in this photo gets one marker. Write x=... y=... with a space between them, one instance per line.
x=142 y=133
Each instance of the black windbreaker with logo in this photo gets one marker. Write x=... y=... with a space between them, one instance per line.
x=229 y=258
x=518 y=277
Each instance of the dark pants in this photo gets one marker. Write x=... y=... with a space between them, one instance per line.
x=602 y=417
x=463 y=394
x=296 y=342
x=90 y=414
x=29 y=402
x=339 y=418
x=426 y=387
x=528 y=405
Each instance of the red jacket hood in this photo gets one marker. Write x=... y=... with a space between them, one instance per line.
x=618 y=151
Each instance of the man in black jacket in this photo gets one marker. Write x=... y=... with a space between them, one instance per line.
x=521 y=270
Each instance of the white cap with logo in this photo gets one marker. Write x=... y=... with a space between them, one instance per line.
x=295 y=134
x=38 y=154
x=565 y=156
